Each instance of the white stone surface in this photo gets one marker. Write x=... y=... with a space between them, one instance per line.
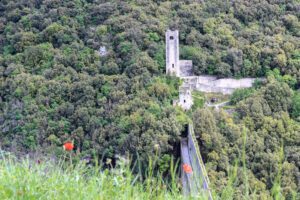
x=185 y=98
x=186 y=67
x=102 y=51
x=224 y=85
x=172 y=53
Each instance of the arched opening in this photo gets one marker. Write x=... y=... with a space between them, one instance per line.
x=171 y=38
x=173 y=65
x=185 y=132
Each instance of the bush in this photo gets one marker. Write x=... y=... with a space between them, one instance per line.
x=296 y=105
x=198 y=100
x=240 y=94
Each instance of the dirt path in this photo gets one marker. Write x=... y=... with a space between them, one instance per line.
x=218 y=105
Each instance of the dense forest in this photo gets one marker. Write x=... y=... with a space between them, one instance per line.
x=55 y=86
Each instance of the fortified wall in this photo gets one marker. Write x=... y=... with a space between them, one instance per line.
x=212 y=84
x=184 y=70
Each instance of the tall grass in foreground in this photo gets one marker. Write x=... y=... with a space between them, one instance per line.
x=28 y=180
x=25 y=179
x=22 y=180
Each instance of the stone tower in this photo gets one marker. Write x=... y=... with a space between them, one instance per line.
x=172 y=53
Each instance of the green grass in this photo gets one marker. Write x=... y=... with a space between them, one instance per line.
x=198 y=99
x=26 y=179
x=48 y=181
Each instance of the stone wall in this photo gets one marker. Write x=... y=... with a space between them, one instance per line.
x=186 y=67
x=172 y=53
x=215 y=85
x=185 y=98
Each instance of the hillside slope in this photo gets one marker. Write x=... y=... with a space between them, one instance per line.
x=55 y=86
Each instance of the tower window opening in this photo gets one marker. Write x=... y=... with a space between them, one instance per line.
x=184 y=100
x=171 y=38
x=173 y=65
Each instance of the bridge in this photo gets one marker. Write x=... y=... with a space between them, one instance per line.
x=194 y=178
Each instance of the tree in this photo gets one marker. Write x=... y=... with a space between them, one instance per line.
x=204 y=121
x=279 y=96
x=240 y=94
x=55 y=87
x=296 y=106
x=38 y=58
x=197 y=56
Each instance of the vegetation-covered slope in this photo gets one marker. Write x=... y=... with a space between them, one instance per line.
x=262 y=128
x=55 y=87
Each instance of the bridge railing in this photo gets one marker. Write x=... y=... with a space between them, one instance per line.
x=202 y=180
x=199 y=157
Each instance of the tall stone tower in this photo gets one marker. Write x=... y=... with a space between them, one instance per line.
x=172 y=53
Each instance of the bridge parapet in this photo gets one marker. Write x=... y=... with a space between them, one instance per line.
x=197 y=182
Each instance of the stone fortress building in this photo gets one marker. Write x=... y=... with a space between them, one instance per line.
x=184 y=70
